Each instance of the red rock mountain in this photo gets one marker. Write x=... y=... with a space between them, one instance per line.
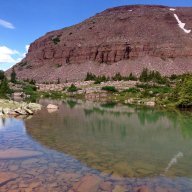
x=122 y=39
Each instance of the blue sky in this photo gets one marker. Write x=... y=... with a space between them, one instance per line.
x=23 y=21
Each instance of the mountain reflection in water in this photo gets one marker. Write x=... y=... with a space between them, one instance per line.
x=119 y=140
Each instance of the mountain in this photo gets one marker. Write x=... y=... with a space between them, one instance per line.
x=122 y=39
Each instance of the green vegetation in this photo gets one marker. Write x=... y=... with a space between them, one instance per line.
x=13 y=76
x=109 y=88
x=2 y=75
x=109 y=105
x=71 y=103
x=119 y=77
x=103 y=78
x=52 y=95
x=56 y=40
x=58 y=81
x=182 y=93
x=72 y=88
x=153 y=76
x=173 y=91
x=132 y=77
x=31 y=91
x=4 y=88
x=100 y=79
x=90 y=77
x=58 y=65
x=131 y=90
x=97 y=79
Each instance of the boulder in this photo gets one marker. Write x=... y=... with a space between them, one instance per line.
x=150 y=103
x=51 y=106
x=30 y=112
x=6 y=111
x=13 y=113
x=34 y=106
x=21 y=111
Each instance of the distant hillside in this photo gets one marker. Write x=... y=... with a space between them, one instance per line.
x=122 y=39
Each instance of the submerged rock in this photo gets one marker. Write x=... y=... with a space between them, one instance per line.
x=15 y=153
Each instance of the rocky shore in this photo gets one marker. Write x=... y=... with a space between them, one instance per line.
x=13 y=108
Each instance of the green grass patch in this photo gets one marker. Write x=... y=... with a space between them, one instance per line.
x=109 y=89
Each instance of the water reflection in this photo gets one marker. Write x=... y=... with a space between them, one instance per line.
x=119 y=140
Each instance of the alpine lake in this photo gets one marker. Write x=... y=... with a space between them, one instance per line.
x=93 y=147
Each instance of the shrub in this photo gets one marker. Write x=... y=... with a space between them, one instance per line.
x=58 y=81
x=56 y=40
x=132 y=77
x=29 y=89
x=72 y=88
x=182 y=93
x=131 y=90
x=100 y=79
x=32 y=82
x=13 y=76
x=117 y=77
x=173 y=77
x=97 y=79
x=144 y=75
x=90 y=77
x=109 y=88
x=154 y=76
x=4 y=88
x=145 y=86
x=58 y=65
x=2 y=75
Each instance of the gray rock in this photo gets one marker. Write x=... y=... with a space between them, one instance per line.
x=21 y=111
x=30 y=112
x=34 y=106
x=51 y=106
x=150 y=103
x=6 y=111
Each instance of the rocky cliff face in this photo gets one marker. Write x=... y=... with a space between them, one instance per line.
x=123 y=39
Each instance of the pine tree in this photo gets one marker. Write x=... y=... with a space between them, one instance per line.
x=2 y=75
x=4 y=88
x=144 y=75
x=13 y=76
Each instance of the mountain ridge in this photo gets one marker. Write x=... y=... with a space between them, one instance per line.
x=122 y=39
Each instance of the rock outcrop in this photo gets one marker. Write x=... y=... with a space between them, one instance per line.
x=122 y=39
x=13 y=108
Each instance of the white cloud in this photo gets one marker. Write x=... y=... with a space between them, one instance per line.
x=27 y=47
x=26 y=50
x=9 y=57
x=6 y=55
x=6 y=24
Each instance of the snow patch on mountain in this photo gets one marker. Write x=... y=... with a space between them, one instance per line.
x=172 y=9
x=181 y=24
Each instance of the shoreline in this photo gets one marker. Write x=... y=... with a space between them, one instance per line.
x=10 y=108
x=124 y=92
